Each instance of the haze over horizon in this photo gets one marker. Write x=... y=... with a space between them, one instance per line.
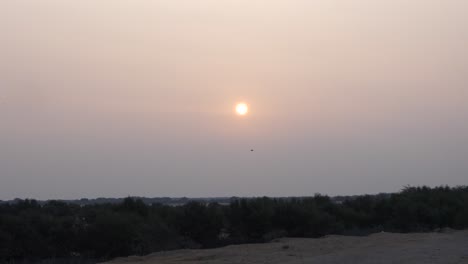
x=114 y=98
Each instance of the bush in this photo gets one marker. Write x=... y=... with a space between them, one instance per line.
x=57 y=230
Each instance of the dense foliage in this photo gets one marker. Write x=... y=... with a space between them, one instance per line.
x=32 y=231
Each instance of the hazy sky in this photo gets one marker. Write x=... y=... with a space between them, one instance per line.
x=135 y=97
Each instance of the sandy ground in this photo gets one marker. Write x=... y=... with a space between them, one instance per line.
x=449 y=247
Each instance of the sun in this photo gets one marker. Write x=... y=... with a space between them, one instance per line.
x=242 y=109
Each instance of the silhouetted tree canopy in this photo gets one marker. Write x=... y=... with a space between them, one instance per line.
x=58 y=230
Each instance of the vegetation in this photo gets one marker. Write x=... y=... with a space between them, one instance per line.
x=57 y=230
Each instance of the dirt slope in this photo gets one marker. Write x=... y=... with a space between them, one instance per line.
x=449 y=247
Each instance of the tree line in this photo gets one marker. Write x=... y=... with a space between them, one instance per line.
x=57 y=230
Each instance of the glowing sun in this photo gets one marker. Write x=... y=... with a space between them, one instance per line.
x=242 y=109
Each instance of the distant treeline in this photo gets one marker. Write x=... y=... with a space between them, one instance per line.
x=164 y=200
x=146 y=200
x=57 y=230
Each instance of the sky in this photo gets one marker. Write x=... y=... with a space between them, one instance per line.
x=116 y=98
